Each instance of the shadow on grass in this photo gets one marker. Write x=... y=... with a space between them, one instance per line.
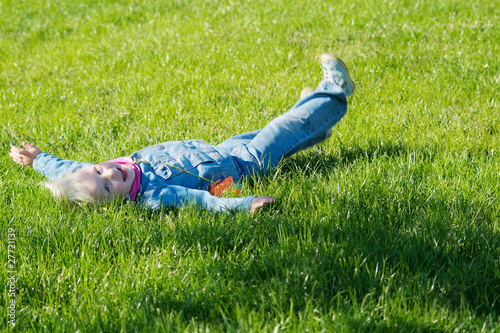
x=372 y=267
x=346 y=157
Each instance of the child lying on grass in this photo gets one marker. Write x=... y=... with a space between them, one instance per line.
x=182 y=172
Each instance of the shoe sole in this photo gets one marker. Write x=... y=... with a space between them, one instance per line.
x=326 y=58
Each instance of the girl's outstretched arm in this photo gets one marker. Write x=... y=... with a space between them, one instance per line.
x=48 y=165
x=181 y=196
x=25 y=156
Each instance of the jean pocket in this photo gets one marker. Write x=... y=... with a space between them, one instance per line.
x=181 y=162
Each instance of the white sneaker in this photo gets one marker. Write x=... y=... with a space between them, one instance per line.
x=334 y=70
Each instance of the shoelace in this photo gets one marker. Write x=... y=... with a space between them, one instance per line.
x=335 y=77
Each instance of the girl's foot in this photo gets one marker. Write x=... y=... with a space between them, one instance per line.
x=334 y=70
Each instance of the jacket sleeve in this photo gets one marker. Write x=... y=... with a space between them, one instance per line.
x=53 y=167
x=182 y=196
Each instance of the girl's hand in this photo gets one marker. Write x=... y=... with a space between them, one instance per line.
x=260 y=202
x=24 y=156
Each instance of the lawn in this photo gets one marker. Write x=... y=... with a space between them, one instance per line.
x=393 y=224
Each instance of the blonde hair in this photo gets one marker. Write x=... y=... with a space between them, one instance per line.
x=68 y=188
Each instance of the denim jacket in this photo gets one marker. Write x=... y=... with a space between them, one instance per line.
x=164 y=182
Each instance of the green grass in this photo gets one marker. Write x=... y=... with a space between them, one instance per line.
x=391 y=225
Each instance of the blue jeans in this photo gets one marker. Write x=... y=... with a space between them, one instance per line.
x=306 y=124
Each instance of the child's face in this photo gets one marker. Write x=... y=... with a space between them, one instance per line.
x=107 y=180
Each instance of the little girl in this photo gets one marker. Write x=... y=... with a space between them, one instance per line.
x=182 y=172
